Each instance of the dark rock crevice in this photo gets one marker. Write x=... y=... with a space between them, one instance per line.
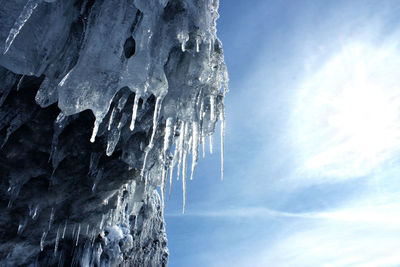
x=40 y=178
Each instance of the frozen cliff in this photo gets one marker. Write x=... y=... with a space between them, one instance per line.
x=102 y=104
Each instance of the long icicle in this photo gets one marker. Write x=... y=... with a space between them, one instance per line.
x=172 y=162
x=77 y=235
x=184 y=168
x=64 y=230
x=203 y=139
x=134 y=112
x=222 y=117
x=171 y=171
x=163 y=178
x=57 y=240
x=95 y=129
x=184 y=180
x=26 y=13
x=195 y=147
x=180 y=148
x=150 y=146
x=111 y=119
x=212 y=108
x=167 y=136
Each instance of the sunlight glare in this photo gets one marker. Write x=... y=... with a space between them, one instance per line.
x=346 y=117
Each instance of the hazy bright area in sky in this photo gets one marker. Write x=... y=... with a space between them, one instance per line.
x=312 y=141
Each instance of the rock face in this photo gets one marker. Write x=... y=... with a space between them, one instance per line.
x=100 y=101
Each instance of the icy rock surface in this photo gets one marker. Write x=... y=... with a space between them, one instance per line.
x=101 y=103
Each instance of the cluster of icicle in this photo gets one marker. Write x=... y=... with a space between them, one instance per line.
x=114 y=228
x=157 y=48
x=132 y=43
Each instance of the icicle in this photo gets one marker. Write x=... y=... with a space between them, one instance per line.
x=195 y=147
x=122 y=102
x=146 y=87
x=171 y=169
x=144 y=163
x=199 y=100
x=136 y=220
x=183 y=37
x=167 y=137
x=111 y=119
x=184 y=181
x=211 y=141
x=60 y=118
x=87 y=229
x=134 y=112
x=222 y=118
x=97 y=179
x=122 y=121
x=203 y=140
x=51 y=218
x=145 y=182
x=65 y=229
x=164 y=171
x=101 y=222
x=112 y=141
x=155 y=121
x=172 y=163
x=20 y=82
x=21 y=226
x=180 y=148
x=57 y=240
x=14 y=192
x=95 y=129
x=144 y=103
x=212 y=108
x=201 y=112
x=92 y=237
x=61 y=83
x=150 y=146
x=184 y=168
x=35 y=212
x=197 y=45
x=20 y=22
x=77 y=235
x=42 y=239
x=73 y=231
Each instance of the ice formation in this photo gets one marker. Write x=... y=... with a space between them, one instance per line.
x=152 y=73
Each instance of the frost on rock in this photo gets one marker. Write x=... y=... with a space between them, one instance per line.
x=100 y=101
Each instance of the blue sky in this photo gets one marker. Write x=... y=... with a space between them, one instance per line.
x=312 y=141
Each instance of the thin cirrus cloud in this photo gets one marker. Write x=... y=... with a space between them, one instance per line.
x=380 y=213
x=361 y=235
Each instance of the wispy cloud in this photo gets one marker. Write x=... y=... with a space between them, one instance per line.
x=384 y=213
x=332 y=243
x=362 y=235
